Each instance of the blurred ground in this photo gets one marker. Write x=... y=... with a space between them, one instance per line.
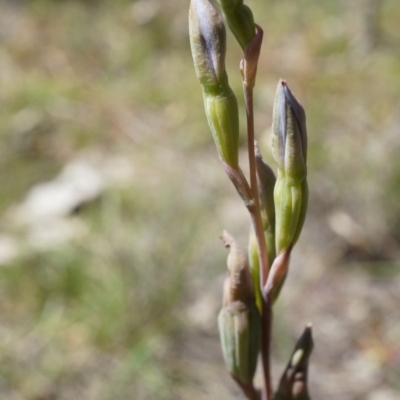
x=113 y=200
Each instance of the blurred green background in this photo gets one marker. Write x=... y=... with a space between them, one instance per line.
x=113 y=199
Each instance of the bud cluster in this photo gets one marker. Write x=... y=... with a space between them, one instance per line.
x=277 y=204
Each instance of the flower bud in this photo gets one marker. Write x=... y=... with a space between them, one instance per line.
x=289 y=134
x=208 y=44
x=240 y=20
x=239 y=321
x=293 y=383
x=289 y=148
x=240 y=329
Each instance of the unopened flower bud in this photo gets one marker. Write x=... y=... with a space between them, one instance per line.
x=239 y=320
x=240 y=328
x=208 y=44
x=293 y=383
x=289 y=134
x=240 y=20
x=289 y=148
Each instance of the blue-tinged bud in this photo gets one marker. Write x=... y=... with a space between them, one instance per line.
x=208 y=43
x=289 y=149
x=289 y=134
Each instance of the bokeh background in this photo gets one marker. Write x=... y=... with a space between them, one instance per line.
x=112 y=199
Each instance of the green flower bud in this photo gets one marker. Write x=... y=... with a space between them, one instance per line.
x=289 y=134
x=240 y=20
x=289 y=148
x=240 y=329
x=239 y=321
x=208 y=44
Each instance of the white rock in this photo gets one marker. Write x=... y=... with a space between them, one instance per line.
x=78 y=183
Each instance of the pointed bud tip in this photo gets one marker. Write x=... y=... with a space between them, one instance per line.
x=308 y=330
x=291 y=98
x=305 y=342
x=308 y=336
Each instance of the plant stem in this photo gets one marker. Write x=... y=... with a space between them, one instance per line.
x=265 y=348
x=262 y=247
x=256 y=211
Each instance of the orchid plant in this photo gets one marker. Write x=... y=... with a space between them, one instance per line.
x=277 y=204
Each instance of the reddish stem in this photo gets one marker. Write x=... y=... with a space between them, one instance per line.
x=262 y=247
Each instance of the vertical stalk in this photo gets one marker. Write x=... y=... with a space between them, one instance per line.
x=262 y=247
x=256 y=212
x=266 y=321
